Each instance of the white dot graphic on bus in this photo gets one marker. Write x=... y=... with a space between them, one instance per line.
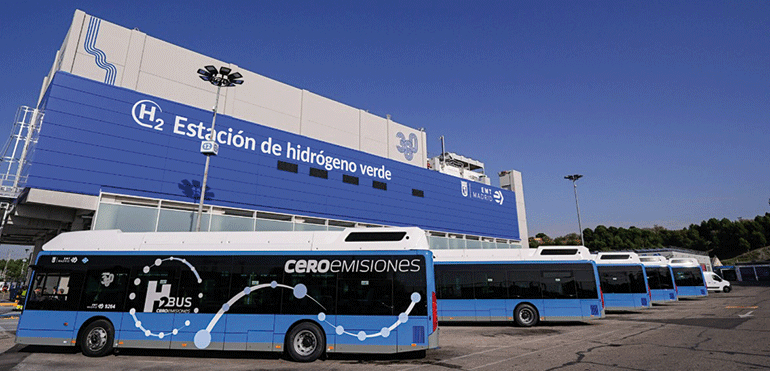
x=149 y=333
x=385 y=332
x=202 y=338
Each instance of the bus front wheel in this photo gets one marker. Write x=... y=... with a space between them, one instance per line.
x=525 y=315
x=96 y=339
x=305 y=342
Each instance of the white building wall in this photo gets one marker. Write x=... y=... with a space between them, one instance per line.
x=329 y=121
x=511 y=180
x=374 y=134
x=268 y=102
x=155 y=67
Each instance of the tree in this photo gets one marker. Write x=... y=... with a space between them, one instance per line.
x=757 y=240
x=722 y=237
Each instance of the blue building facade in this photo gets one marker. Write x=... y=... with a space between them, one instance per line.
x=98 y=138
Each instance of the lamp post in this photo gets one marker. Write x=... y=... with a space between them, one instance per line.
x=6 y=264
x=574 y=178
x=219 y=78
x=29 y=261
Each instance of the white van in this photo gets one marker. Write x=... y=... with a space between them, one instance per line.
x=716 y=283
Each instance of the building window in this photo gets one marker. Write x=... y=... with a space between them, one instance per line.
x=418 y=193
x=380 y=185
x=318 y=173
x=350 y=179
x=288 y=166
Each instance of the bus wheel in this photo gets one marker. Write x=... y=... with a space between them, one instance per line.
x=96 y=339
x=525 y=315
x=305 y=342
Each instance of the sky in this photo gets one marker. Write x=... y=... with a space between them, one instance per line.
x=662 y=106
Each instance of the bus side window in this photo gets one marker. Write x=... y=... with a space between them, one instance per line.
x=212 y=290
x=105 y=289
x=250 y=272
x=586 y=282
x=51 y=291
x=454 y=284
x=490 y=283
x=558 y=285
x=524 y=284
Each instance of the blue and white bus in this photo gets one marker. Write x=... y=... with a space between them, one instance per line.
x=302 y=293
x=660 y=278
x=688 y=276
x=623 y=281
x=524 y=286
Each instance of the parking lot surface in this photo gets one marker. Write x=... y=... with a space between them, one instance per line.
x=720 y=332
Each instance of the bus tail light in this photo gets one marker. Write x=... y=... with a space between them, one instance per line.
x=435 y=312
x=601 y=293
x=649 y=293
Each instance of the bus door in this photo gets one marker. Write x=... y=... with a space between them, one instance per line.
x=558 y=285
x=523 y=286
x=490 y=291
x=455 y=288
x=253 y=315
x=51 y=309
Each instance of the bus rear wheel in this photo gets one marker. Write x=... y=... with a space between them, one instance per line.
x=96 y=339
x=305 y=342
x=525 y=315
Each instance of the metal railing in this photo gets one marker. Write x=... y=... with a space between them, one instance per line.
x=18 y=150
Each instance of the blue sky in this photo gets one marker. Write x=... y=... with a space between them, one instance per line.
x=663 y=106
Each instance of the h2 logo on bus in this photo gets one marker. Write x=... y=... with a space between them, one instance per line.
x=166 y=303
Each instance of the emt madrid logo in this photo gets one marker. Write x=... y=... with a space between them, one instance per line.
x=483 y=193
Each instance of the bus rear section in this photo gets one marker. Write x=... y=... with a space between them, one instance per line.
x=689 y=279
x=623 y=281
x=305 y=299
x=523 y=291
x=660 y=279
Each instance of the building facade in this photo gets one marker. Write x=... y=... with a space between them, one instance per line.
x=114 y=143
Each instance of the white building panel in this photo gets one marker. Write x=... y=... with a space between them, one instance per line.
x=180 y=66
x=185 y=94
x=133 y=60
x=84 y=66
x=266 y=117
x=267 y=102
x=70 y=45
x=374 y=134
x=101 y=51
x=109 y=38
x=329 y=121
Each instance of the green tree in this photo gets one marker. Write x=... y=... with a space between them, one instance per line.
x=757 y=240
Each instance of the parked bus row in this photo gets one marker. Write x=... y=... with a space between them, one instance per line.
x=309 y=293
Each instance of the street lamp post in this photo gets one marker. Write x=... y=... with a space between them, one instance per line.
x=219 y=78
x=574 y=179
x=6 y=264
